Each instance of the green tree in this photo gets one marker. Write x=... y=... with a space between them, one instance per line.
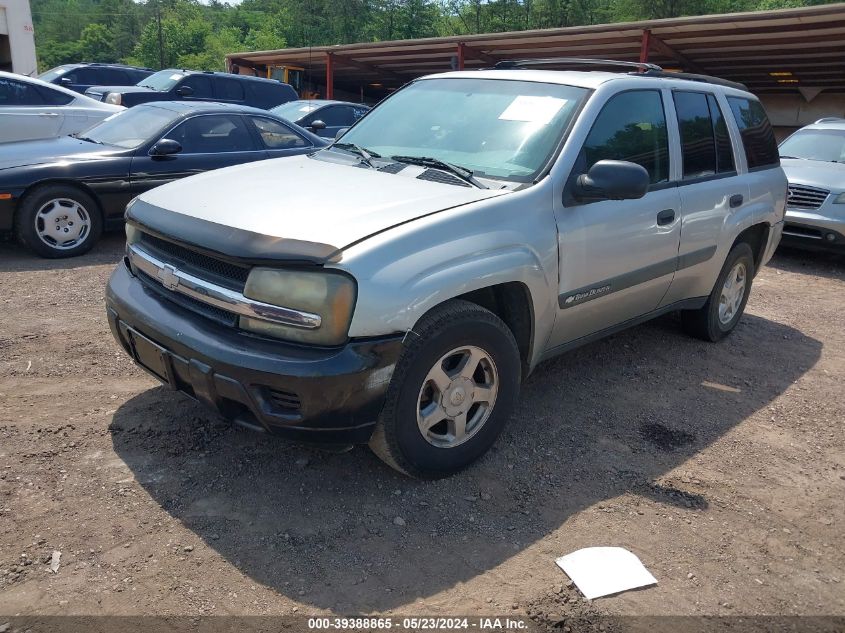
x=97 y=43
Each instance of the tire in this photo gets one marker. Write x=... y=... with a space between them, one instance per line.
x=719 y=316
x=72 y=213
x=455 y=335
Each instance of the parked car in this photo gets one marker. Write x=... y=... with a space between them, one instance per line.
x=80 y=77
x=324 y=118
x=190 y=85
x=58 y=195
x=814 y=161
x=33 y=109
x=471 y=226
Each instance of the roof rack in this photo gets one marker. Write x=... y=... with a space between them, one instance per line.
x=830 y=119
x=587 y=61
x=708 y=79
x=115 y=65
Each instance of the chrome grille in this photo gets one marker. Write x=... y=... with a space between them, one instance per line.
x=225 y=273
x=201 y=290
x=804 y=197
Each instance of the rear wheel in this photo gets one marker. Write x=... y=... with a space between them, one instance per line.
x=58 y=221
x=726 y=303
x=451 y=394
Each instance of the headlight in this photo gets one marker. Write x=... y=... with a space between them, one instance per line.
x=114 y=98
x=840 y=199
x=328 y=294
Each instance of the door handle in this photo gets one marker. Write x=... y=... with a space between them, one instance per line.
x=736 y=200
x=667 y=216
x=49 y=115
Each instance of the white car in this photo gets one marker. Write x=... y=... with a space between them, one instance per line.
x=34 y=109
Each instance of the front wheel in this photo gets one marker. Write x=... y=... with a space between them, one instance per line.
x=452 y=392
x=58 y=221
x=726 y=303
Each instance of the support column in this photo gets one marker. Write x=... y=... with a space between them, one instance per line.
x=645 y=46
x=329 y=76
x=461 y=54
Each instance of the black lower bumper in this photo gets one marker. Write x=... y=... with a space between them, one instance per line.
x=304 y=393
x=814 y=238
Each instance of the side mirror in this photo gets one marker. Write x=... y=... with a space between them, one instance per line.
x=166 y=147
x=318 y=125
x=341 y=132
x=612 y=180
x=185 y=91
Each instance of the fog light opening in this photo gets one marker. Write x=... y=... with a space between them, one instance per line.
x=830 y=237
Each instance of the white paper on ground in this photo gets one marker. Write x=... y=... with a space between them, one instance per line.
x=602 y=571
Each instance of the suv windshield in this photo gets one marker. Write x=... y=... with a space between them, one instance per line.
x=824 y=145
x=130 y=128
x=497 y=129
x=162 y=80
x=294 y=110
x=50 y=75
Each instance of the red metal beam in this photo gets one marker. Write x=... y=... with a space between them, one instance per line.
x=329 y=76
x=645 y=46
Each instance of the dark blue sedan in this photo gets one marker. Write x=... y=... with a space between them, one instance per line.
x=58 y=195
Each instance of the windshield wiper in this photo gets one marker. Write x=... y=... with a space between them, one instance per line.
x=427 y=161
x=86 y=138
x=794 y=157
x=365 y=155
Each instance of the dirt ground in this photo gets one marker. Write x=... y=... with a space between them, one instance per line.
x=721 y=466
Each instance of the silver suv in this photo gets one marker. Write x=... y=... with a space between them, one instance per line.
x=814 y=161
x=398 y=287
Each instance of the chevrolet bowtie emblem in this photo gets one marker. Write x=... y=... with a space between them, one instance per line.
x=168 y=277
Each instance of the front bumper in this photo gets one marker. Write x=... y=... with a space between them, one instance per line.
x=303 y=393
x=815 y=230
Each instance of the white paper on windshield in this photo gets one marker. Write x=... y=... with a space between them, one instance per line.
x=176 y=76
x=602 y=571
x=533 y=109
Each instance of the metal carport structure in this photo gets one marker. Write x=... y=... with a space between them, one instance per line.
x=787 y=56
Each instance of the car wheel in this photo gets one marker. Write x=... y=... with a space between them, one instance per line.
x=58 y=221
x=451 y=394
x=726 y=302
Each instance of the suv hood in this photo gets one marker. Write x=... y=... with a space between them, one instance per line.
x=814 y=173
x=285 y=203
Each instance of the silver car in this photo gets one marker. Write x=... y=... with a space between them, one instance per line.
x=396 y=288
x=814 y=161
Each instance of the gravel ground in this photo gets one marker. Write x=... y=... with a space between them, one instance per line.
x=721 y=466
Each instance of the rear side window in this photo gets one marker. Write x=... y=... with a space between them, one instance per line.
x=110 y=77
x=632 y=127
x=54 y=97
x=724 y=149
x=705 y=144
x=698 y=146
x=265 y=94
x=758 y=139
x=228 y=89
